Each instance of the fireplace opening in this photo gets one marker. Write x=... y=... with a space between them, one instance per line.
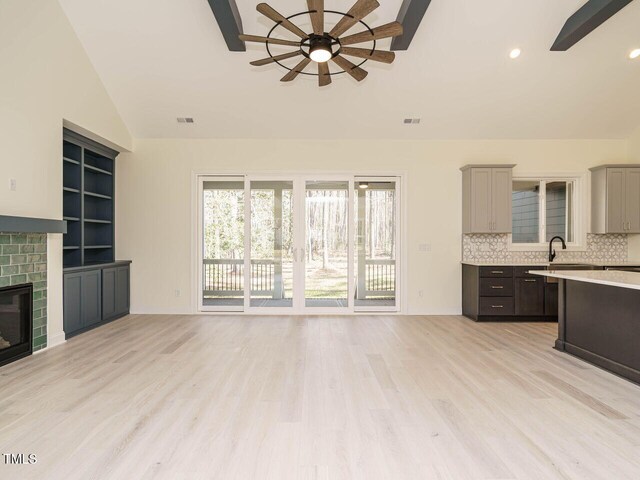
x=16 y=322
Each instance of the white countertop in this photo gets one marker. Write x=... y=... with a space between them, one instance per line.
x=613 y=278
x=628 y=263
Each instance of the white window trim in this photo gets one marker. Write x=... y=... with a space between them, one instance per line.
x=581 y=210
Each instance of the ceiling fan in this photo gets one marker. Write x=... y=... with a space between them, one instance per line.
x=320 y=46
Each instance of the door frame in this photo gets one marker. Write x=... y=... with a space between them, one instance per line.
x=299 y=179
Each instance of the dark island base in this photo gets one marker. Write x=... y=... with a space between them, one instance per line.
x=515 y=318
x=601 y=325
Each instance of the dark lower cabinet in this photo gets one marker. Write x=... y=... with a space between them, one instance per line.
x=529 y=296
x=506 y=293
x=115 y=292
x=94 y=296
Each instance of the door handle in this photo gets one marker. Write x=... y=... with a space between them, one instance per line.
x=530 y=280
x=497 y=306
x=496 y=287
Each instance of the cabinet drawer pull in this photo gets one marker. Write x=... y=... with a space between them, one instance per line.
x=530 y=280
x=497 y=306
x=496 y=287
x=497 y=271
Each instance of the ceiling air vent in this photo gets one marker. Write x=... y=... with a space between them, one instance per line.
x=185 y=119
x=411 y=121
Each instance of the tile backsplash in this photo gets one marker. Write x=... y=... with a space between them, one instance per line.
x=494 y=248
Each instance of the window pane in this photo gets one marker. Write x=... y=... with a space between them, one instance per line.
x=526 y=212
x=558 y=209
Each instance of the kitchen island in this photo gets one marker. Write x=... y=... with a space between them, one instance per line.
x=599 y=318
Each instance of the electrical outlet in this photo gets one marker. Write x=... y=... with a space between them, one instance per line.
x=424 y=247
x=177 y=293
x=13 y=185
x=421 y=293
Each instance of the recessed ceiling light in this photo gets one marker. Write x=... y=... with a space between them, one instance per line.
x=515 y=53
x=634 y=54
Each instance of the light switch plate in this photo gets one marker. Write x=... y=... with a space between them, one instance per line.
x=13 y=185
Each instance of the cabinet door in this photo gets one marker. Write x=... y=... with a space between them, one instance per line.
x=632 y=200
x=109 y=309
x=551 y=299
x=481 y=216
x=122 y=291
x=91 y=306
x=529 y=296
x=501 y=199
x=615 y=200
x=72 y=315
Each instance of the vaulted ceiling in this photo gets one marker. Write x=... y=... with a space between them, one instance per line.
x=162 y=59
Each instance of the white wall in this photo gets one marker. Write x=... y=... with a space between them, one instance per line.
x=154 y=208
x=46 y=78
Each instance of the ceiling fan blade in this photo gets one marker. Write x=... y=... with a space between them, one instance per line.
x=317 y=16
x=360 y=9
x=356 y=72
x=275 y=41
x=296 y=70
x=269 y=12
x=392 y=29
x=324 y=78
x=277 y=58
x=376 y=55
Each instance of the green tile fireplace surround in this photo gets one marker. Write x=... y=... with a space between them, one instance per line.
x=23 y=259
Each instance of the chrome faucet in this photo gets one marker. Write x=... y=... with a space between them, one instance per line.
x=552 y=251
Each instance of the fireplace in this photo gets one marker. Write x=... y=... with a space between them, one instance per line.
x=16 y=322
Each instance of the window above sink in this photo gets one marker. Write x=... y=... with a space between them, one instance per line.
x=545 y=206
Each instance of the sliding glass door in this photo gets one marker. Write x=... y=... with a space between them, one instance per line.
x=327 y=247
x=222 y=242
x=272 y=244
x=376 y=256
x=298 y=244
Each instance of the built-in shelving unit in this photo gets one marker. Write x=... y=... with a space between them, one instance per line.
x=88 y=190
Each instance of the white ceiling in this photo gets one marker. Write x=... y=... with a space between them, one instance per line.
x=162 y=59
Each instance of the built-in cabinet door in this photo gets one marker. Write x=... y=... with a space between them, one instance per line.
x=122 y=290
x=109 y=292
x=501 y=199
x=616 y=200
x=632 y=200
x=91 y=306
x=115 y=292
x=481 y=204
x=72 y=318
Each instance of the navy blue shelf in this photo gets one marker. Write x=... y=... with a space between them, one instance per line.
x=88 y=187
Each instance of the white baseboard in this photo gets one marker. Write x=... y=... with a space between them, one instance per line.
x=55 y=340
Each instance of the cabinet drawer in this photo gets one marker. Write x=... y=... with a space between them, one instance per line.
x=496 y=272
x=496 y=287
x=496 y=306
x=524 y=271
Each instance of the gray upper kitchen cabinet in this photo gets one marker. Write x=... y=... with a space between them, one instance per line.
x=615 y=199
x=486 y=198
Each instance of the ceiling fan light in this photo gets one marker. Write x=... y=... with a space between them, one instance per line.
x=320 y=54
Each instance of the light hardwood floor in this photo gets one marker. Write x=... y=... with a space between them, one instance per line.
x=367 y=397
